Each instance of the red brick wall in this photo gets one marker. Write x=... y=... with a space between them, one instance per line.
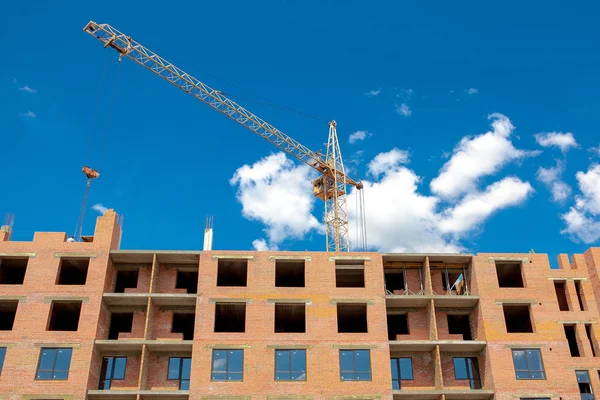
x=158 y=366
x=423 y=371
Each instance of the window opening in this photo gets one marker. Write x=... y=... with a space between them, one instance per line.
x=119 y=322
x=466 y=368
x=402 y=370
x=350 y=273
x=517 y=318
x=572 y=339
x=72 y=271
x=112 y=369
x=227 y=365
x=352 y=318
x=459 y=325
x=187 y=280
x=184 y=323
x=180 y=370
x=8 y=312
x=528 y=364
x=12 y=270
x=397 y=324
x=290 y=365
x=355 y=365
x=510 y=274
x=290 y=318
x=54 y=364
x=230 y=317
x=561 y=295
x=64 y=316
x=585 y=385
x=126 y=279
x=232 y=272
x=289 y=273
x=579 y=295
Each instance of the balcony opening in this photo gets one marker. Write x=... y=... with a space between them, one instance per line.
x=350 y=273
x=120 y=322
x=572 y=339
x=459 y=325
x=184 y=323
x=561 y=295
x=232 y=272
x=509 y=274
x=126 y=279
x=8 y=311
x=517 y=318
x=290 y=318
x=64 y=316
x=230 y=317
x=452 y=280
x=579 y=295
x=397 y=324
x=394 y=281
x=72 y=271
x=187 y=280
x=289 y=273
x=12 y=270
x=352 y=318
x=585 y=385
x=590 y=335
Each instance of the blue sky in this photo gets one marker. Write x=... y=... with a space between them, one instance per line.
x=420 y=79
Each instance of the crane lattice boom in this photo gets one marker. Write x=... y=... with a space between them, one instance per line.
x=331 y=186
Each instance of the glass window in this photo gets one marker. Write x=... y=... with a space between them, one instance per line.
x=113 y=368
x=227 y=365
x=466 y=368
x=355 y=365
x=585 y=386
x=179 y=370
x=2 y=355
x=290 y=365
x=401 y=371
x=54 y=364
x=528 y=364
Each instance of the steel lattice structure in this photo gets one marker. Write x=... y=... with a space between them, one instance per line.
x=330 y=186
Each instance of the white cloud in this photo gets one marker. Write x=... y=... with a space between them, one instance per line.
x=373 y=93
x=262 y=245
x=404 y=110
x=279 y=194
x=476 y=157
x=405 y=94
x=563 y=141
x=385 y=161
x=472 y=91
x=595 y=150
x=100 y=208
x=27 y=89
x=28 y=114
x=583 y=219
x=552 y=178
x=358 y=135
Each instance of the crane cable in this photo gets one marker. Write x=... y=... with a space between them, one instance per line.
x=89 y=172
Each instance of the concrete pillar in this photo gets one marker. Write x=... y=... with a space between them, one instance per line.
x=427 y=277
x=437 y=366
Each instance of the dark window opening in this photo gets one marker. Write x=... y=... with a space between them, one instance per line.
x=397 y=324
x=54 y=363
x=452 y=281
x=579 y=295
x=64 y=316
x=2 y=355
x=232 y=272
x=350 y=273
x=187 y=280
x=585 y=385
x=290 y=318
x=402 y=370
x=290 y=365
x=227 y=365
x=352 y=318
x=459 y=324
x=72 y=271
x=289 y=273
x=466 y=368
x=230 y=317
x=8 y=311
x=528 y=364
x=112 y=369
x=12 y=270
x=394 y=280
x=590 y=335
x=355 y=365
x=561 y=295
x=184 y=323
x=180 y=369
x=509 y=274
x=119 y=322
x=572 y=339
x=517 y=319
x=126 y=279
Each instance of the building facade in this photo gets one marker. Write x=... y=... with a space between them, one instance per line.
x=87 y=320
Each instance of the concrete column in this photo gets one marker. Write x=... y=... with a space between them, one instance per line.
x=143 y=379
x=433 y=333
x=427 y=277
x=437 y=365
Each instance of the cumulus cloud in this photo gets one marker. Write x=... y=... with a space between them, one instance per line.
x=28 y=89
x=28 y=115
x=582 y=221
x=404 y=110
x=373 y=93
x=564 y=141
x=385 y=161
x=552 y=178
x=476 y=157
x=278 y=194
x=100 y=208
x=472 y=91
x=358 y=136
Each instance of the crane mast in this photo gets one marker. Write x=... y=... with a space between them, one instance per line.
x=330 y=186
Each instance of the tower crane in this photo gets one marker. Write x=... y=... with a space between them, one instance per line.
x=330 y=186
